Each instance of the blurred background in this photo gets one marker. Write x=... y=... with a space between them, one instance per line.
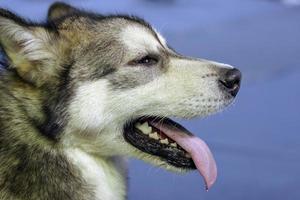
x=256 y=142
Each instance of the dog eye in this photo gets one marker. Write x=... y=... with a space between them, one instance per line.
x=146 y=61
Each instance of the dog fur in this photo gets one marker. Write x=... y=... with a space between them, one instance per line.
x=71 y=85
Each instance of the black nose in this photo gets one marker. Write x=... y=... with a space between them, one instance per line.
x=232 y=80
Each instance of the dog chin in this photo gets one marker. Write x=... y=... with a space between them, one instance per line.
x=158 y=162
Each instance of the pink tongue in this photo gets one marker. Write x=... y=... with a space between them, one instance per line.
x=199 y=151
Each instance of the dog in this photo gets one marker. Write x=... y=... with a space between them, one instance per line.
x=81 y=92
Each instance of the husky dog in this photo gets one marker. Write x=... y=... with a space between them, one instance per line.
x=83 y=91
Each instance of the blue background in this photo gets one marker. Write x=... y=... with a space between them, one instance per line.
x=256 y=142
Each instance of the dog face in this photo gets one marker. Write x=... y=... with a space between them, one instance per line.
x=122 y=79
x=146 y=79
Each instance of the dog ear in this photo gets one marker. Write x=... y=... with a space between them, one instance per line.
x=31 y=49
x=60 y=9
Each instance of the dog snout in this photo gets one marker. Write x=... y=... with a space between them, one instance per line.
x=231 y=80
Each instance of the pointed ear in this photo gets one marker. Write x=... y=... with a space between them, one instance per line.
x=28 y=47
x=60 y=9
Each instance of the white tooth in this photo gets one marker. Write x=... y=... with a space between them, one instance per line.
x=174 y=144
x=154 y=136
x=137 y=125
x=165 y=141
x=145 y=128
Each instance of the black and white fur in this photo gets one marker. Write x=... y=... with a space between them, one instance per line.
x=90 y=76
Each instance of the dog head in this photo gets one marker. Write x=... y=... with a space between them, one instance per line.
x=114 y=81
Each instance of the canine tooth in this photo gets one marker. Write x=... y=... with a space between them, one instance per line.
x=154 y=135
x=174 y=144
x=145 y=128
x=165 y=141
x=137 y=125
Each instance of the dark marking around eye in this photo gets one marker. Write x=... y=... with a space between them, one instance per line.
x=148 y=60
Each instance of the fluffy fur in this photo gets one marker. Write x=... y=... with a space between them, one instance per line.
x=71 y=86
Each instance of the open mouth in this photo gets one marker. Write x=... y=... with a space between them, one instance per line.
x=172 y=143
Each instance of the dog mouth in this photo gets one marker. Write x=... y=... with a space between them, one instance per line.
x=171 y=142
